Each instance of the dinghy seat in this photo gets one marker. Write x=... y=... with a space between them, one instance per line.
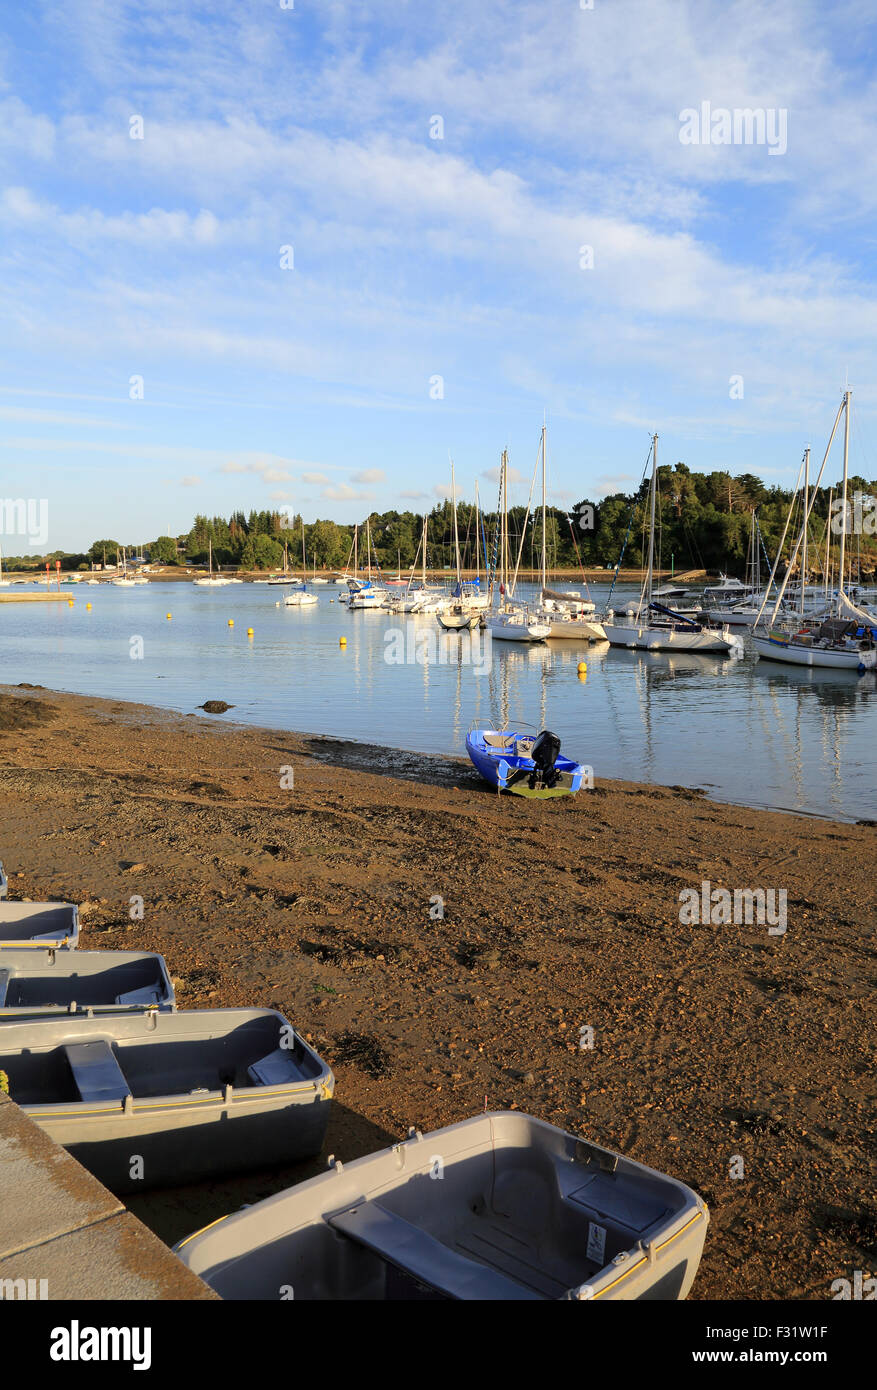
x=96 y=1072
x=277 y=1069
x=147 y=995
x=419 y=1254
x=5 y=977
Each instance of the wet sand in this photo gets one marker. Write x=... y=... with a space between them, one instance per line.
x=712 y=1043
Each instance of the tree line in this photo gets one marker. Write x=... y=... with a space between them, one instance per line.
x=702 y=522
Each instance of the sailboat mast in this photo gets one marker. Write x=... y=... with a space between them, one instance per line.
x=652 y=516
x=843 y=534
x=544 y=577
x=355 y=549
x=304 y=563
x=368 y=546
x=505 y=524
x=425 y=524
x=477 y=537
x=456 y=534
x=806 y=513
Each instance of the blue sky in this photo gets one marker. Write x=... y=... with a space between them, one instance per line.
x=414 y=257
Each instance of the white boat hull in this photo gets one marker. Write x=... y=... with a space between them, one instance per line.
x=369 y=600
x=801 y=655
x=576 y=628
x=512 y=629
x=655 y=639
x=299 y=600
x=457 y=622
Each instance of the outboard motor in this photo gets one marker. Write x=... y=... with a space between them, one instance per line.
x=545 y=752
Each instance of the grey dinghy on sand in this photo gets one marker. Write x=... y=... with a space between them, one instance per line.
x=499 y=1207
x=38 y=924
x=40 y=983
x=196 y=1094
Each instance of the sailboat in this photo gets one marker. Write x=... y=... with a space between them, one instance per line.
x=510 y=621
x=653 y=626
x=300 y=598
x=126 y=580
x=210 y=580
x=457 y=616
x=844 y=641
x=567 y=615
x=362 y=592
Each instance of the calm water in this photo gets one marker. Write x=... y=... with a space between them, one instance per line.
x=745 y=731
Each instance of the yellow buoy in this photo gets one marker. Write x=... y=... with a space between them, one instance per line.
x=582 y=667
x=231 y=622
x=249 y=632
x=88 y=606
x=342 y=641
x=168 y=616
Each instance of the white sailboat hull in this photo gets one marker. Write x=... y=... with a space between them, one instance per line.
x=457 y=622
x=517 y=628
x=299 y=600
x=800 y=655
x=656 y=639
x=367 y=600
x=576 y=628
x=740 y=617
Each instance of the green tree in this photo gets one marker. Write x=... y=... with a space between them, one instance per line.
x=96 y=552
x=163 y=551
x=267 y=554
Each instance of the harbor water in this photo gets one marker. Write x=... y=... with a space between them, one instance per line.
x=740 y=729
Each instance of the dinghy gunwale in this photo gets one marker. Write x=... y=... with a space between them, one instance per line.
x=25 y=961
x=322 y=1084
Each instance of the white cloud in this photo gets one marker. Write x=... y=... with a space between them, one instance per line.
x=369 y=475
x=343 y=492
x=514 y=476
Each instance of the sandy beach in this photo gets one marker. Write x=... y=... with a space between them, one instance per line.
x=443 y=948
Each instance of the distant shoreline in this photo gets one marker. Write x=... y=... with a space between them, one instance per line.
x=177 y=574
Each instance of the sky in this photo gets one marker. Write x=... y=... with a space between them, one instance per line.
x=357 y=238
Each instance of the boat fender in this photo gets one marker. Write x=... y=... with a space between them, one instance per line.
x=335 y=1163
